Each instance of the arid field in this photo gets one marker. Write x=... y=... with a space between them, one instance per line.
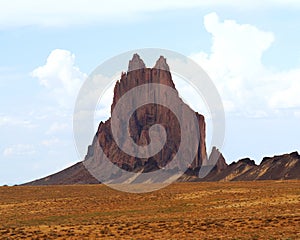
x=221 y=210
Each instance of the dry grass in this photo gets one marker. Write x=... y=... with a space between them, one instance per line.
x=232 y=210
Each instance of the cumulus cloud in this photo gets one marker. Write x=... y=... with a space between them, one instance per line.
x=63 y=13
x=235 y=65
x=103 y=108
x=60 y=76
x=19 y=150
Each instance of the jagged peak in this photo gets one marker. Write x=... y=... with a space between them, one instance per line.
x=136 y=63
x=295 y=154
x=217 y=158
x=161 y=63
x=247 y=161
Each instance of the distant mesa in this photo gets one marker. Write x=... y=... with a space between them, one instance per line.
x=286 y=166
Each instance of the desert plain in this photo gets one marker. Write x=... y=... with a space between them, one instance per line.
x=205 y=210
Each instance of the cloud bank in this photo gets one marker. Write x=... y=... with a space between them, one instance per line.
x=235 y=64
x=56 y=13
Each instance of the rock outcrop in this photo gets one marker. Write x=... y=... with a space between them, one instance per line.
x=136 y=63
x=76 y=174
x=282 y=167
x=144 y=117
x=286 y=166
x=279 y=167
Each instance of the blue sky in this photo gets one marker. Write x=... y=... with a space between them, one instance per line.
x=250 y=50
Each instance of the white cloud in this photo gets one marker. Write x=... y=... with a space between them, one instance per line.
x=19 y=150
x=61 y=80
x=61 y=77
x=62 y=13
x=57 y=127
x=288 y=95
x=103 y=108
x=235 y=65
x=14 y=121
x=297 y=114
x=50 y=142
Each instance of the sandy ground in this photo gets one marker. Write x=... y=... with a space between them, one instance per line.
x=223 y=210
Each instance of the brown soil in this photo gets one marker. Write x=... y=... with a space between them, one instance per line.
x=221 y=210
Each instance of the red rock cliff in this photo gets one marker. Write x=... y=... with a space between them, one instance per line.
x=144 y=117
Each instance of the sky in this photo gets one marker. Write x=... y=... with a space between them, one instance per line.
x=250 y=49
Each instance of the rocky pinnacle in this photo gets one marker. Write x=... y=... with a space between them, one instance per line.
x=136 y=63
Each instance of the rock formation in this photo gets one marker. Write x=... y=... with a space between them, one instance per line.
x=282 y=167
x=279 y=167
x=144 y=117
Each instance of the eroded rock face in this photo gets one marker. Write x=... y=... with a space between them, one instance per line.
x=139 y=124
x=136 y=63
x=221 y=163
x=285 y=166
x=146 y=116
